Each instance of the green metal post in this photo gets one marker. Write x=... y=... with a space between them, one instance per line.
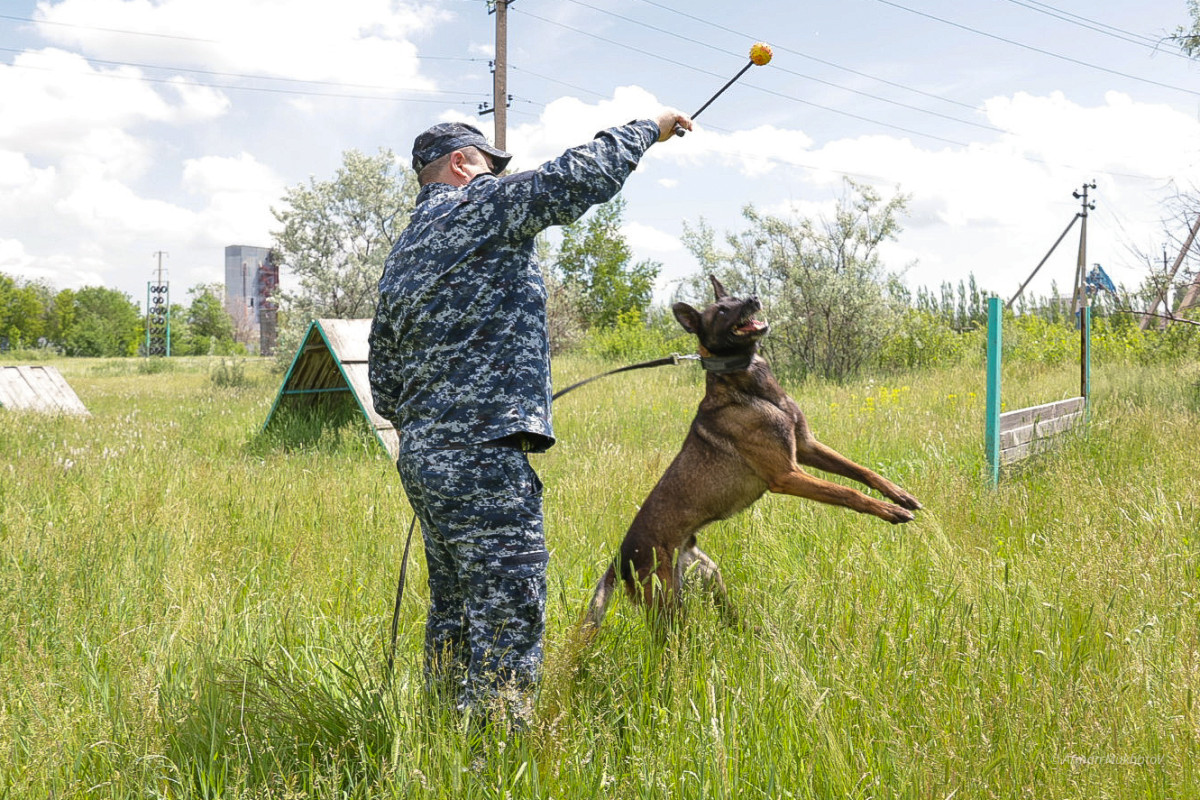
x=992 y=434
x=168 y=320
x=1085 y=361
x=147 y=319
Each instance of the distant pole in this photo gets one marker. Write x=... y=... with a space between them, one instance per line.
x=159 y=254
x=992 y=432
x=1170 y=276
x=1080 y=299
x=158 y=312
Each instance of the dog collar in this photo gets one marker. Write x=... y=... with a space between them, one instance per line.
x=722 y=365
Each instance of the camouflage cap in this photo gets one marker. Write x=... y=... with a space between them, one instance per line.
x=446 y=137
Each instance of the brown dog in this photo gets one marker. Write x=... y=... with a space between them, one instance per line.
x=748 y=437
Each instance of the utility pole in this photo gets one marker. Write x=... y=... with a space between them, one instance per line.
x=160 y=254
x=500 y=72
x=158 y=312
x=1170 y=276
x=1081 y=301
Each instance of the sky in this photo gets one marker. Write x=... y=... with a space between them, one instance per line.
x=134 y=127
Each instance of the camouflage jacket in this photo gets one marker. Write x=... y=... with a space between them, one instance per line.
x=459 y=348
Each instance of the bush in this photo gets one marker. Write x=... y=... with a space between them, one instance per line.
x=634 y=338
x=155 y=365
x=230 y=373
x=922 y=339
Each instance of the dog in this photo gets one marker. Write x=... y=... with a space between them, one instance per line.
x=748 y=437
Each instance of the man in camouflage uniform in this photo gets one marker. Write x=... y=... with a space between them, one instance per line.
x=460 y=363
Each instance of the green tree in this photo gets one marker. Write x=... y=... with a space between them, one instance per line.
x=595 y=266
x=334 y=239
x=60 y=316
x=209 y=326
x=823 y=285
x=22 y=313
x=337 y=233
x=103 y=322
x=1188 y=39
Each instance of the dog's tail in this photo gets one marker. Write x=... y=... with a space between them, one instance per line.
x=598 y=607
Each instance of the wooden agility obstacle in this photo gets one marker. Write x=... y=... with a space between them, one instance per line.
x=1015 y=435
x=330 y=364
x=38 y=388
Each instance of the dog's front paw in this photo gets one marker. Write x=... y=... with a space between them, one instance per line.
x=904 y=499
x=896 y=514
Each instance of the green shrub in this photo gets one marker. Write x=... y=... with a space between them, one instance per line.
x=634 y=338
x=922 y=339
x=230 y=373
x=155 y=365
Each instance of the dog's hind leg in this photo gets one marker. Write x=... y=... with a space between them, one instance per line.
x=598 y=607
x=693 y=561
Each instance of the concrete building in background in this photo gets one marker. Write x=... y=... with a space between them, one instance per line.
x=251 y=280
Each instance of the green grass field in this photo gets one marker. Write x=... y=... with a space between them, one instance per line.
x=191 y=609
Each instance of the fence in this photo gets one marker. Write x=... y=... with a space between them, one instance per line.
x=1014 y=435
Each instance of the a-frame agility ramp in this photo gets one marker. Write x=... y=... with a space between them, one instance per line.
x=38 y=388
x=331 y=361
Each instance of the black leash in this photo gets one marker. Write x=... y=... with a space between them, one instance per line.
x=674 y=358
x=399 y=594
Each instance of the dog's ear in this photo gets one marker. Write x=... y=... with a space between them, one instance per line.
x=688 y=317
x=718 y=289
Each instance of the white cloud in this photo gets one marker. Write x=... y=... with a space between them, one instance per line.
x=51 y=101
x=568 y=121
x=299 y=39
x=646 y=238
x=239 y=193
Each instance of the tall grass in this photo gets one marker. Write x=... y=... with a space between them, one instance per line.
x=191 y=608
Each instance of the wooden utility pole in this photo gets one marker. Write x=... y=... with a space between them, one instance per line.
x=1081 y=301
x=1183 y=251
x=500 y=73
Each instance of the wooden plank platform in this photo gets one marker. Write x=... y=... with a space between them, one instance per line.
x=38 y=388
x=1026 y=431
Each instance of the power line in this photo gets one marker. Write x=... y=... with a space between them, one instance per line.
x=583 y=89
x=1095 y=25
x=1031 y=48
x=1029 y=159
x=249 y=76
x=173 y=82
x=811 y=57
x=106 y=30
x=787 y=71
x=792 y=98
x=181 y=38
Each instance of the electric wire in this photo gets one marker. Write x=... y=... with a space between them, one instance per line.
x=791 y=72
x=185 y=38
x=1095 y=25
x=792 y=98
x=233 y=87
x=1031 y=48
x=248 y=76
x=106 y=30
x=583 y=89
x=809 y=56
x=1029 y=159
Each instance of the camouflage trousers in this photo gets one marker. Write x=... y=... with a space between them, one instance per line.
x=481 y=517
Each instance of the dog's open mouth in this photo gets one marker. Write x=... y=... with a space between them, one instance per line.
x=750 y=327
